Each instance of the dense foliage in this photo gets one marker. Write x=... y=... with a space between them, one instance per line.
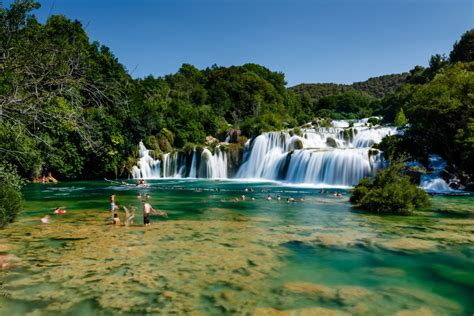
x=340 y=101
x=438 y=105
x=390 y=192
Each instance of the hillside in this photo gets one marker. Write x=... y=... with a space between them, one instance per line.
x=376 y=87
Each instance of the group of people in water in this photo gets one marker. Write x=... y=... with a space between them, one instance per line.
x=130 y=211
x=290 y=199
x=148 y=210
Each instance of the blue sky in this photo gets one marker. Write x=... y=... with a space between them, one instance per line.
x=339 y=41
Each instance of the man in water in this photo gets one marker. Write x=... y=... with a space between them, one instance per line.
x=147 y=209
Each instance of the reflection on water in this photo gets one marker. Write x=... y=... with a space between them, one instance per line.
x=218 y=255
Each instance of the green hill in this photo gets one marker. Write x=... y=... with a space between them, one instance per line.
x=376 y=87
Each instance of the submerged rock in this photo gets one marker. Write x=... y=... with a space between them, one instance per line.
x=409 y=244
x=423 y=311
x=312 y=311
x=311 y=289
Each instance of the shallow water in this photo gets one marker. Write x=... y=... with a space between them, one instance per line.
x=214 y=255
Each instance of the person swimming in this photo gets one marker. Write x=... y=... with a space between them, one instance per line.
x=116 y=218
x=45 y=219
x=269 y=197
x=278 y=197
x=290 y=200
x=59 y=210
x=243 y=197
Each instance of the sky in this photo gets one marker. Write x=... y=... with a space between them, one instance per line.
x=340 y=41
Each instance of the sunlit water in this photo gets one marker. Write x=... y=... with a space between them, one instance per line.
x=214 y=255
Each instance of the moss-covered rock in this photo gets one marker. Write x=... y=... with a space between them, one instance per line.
x=235 y=154
x=331 y=142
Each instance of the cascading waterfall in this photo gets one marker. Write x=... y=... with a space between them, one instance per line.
x=213 y=166
x=323 y=156
x=339 y=155
x=174 y=165
x=192 y=172
x=432 y=182
x=147 y=167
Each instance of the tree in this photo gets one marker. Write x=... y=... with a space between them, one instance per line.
x=391 y=192
x=401 y=120
x=463 y=50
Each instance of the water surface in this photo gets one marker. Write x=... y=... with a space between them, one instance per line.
x=214 y=255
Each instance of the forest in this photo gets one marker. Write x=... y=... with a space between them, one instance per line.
x=68 y=106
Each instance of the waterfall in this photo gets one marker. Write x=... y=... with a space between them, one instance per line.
x=432 y=182
x=147 y=167
x=334 y=167
x=192 y=172
x=337 y=155
x=213 y=166
x=173 y=165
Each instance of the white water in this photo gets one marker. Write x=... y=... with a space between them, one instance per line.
x=320 y=156
x=192 y=172
x=432 y=182
x=213 y=166
x=173 y=165
x=326 y=157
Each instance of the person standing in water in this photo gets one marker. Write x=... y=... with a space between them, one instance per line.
x=147 y=210
x=112 y=202
x=146 y=213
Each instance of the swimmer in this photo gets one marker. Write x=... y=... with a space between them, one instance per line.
x=252 y=198
x=116 y=218
x=269 y=197
x=242 y=197
x=302 y=199
x=59 y=210
x=246 y=189
x=278 y=197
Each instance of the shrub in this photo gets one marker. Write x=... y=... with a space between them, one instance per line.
x=10 y=196
x=390 y=192
x=10 y=204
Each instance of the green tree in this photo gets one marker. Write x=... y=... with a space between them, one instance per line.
x=391 y=192
x=401 y=120
x=463 y=50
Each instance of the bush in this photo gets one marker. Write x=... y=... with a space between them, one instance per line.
x=10 y=196
x=10 y=204
x=391 y=192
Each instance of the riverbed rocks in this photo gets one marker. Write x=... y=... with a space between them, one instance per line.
x=223 y=263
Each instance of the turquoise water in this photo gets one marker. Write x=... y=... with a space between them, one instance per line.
x=216 y=254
